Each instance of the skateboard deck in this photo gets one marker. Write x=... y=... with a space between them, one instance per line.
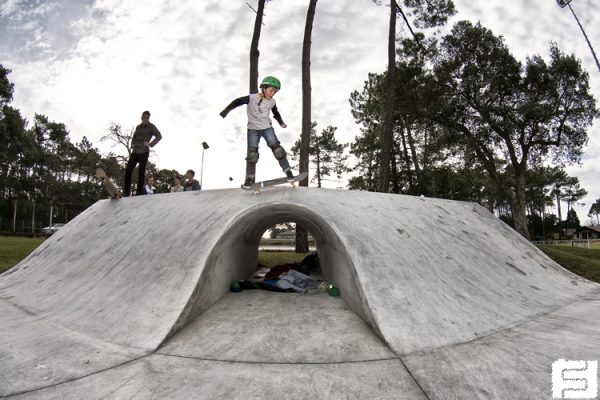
x=277 y=181
x=111 y=188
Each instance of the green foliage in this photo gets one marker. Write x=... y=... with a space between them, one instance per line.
x=429 y=13
x=471 y=122
x=325 y=153
x=270 y=259
x=524 y=115
x=6 y=88
x=583 y=262
x=572 y=220
x=277 y=229
x=14 y=249
x=595 y=210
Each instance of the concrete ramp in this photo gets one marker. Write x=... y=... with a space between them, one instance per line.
x=444 y=287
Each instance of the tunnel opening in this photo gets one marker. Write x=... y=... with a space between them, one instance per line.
x=287 y=262
x=235 y=257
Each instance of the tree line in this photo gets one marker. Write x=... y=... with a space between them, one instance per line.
x=470 y=122
x=46 y=177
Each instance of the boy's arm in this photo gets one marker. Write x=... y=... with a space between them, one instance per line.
x=277 y=116
x=236 y=103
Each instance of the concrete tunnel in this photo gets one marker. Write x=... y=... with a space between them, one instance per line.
x=459 y=304
x=236 y=254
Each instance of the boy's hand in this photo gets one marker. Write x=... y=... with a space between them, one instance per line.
x=147 y=143
x=284 y=125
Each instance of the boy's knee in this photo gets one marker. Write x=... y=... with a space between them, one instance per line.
x=278 y=151
x=252 y=156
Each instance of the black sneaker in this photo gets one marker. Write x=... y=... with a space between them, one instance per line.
x=290 y=175
x=247 y=184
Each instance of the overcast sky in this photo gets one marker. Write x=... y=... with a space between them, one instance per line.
x=88 y=63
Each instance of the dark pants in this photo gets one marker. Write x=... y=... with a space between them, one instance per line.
x=134 y=159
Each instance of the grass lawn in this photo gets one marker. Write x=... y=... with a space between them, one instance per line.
x=272 y=258
x=13 y=249
x=584 y=262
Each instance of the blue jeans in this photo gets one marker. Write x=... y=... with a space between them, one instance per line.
x=254 y=136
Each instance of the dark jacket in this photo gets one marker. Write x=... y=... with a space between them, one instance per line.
x=143 y=133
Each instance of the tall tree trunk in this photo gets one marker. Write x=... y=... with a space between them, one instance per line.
x=543 y=214
x=409 y=175
x=558 y=205
x=51 y=215
x=415 y=159
x=306 y=92
x=518 y=207
x=14 y=221
x=318 y=163
x=388 y=125
x=395 y=178
x=254 y=53
x=301 y=234
x=33 y=218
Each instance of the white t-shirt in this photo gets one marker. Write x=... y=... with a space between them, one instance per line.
x=258 y=110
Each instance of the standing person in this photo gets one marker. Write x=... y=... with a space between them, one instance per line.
x=190 y=182
x=140 y=151
x=177 y=184
x=259 y=125
x=149 y=188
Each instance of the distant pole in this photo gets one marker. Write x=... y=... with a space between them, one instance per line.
x=204 y=147
x=563 y=4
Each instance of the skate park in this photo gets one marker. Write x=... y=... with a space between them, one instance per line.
x=439 y=300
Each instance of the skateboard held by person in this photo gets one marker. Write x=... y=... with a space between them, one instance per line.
x=111 y=188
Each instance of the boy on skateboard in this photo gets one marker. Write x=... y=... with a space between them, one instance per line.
x=259 y=125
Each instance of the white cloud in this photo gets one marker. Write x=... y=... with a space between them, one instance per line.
x=7 y=7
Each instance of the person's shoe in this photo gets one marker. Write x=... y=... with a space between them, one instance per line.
x=290 y=175
x=247 y=184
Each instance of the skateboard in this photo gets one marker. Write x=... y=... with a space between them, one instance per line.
x=277 y=181
x=113 y=191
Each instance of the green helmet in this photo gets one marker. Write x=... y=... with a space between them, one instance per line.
x=271 y=81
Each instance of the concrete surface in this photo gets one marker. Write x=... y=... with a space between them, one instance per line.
x=439 y=300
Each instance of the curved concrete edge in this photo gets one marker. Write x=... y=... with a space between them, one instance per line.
x=116 y=279
x=176 y=378
x=515 y=363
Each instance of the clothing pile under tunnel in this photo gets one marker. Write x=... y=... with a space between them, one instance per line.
x=296 y=277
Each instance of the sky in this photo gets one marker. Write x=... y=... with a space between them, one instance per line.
x=90 y=63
